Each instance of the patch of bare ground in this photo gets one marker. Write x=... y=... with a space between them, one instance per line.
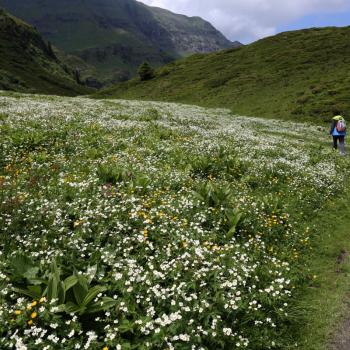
x=341 y=337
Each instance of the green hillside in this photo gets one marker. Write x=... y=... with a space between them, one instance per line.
x=28 y=63
x=116 y=36
x=299 y=75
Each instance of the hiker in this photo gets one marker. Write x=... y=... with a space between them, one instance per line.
x=338 y=131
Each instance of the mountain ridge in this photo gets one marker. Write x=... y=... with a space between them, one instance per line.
x=116 y=36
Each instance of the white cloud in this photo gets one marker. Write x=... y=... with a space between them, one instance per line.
x=247 y=20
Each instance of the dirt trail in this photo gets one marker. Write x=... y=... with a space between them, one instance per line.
x=341 y=340
x=341 y=337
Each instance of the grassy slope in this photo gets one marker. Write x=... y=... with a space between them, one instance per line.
x=300 y=74
x=323 y=303
x=26 y=64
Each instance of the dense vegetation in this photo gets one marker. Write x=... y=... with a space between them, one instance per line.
x=117 y=36
x=136 y=225
x=28 y=63
x=300 y=75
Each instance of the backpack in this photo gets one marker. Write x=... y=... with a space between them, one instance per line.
x=341 y=126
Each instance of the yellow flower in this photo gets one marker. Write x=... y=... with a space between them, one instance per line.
x=29 y=307
x=18 y=312
x=33 y=315
x=77 y=223
x=106 y=348
x=30 y=322
x=42 y=300
x=34 y=303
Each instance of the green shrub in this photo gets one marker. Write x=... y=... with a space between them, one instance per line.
x=111 y=174
x=3 y=117
x=150 y=115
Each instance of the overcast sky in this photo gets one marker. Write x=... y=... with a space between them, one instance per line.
x=249 y=20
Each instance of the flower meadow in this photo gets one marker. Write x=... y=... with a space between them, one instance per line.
x=145 y=225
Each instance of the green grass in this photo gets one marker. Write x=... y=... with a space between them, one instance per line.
x=26 y=64
x=300 y=75
x=160 y=210
x=323 y=302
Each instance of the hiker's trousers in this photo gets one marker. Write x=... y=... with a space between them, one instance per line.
x=341 y=140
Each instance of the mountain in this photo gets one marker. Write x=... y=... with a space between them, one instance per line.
x=296 y=75
x=28 y=63
x=190 y=35
x=116 y=36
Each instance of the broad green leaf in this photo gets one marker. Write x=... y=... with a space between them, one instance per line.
x=92 y=293
x=52 y=289
x=20 y=264
x=37 y=281
x=80 y=292
x=61 y=293
x=31 y=273
x=83 y=282
x=60 y=308
x=234 y=217
x=126 y=346
x=69 y=282
x=125 y=326
x=104 y=304
x=55 y=271
x=37 y=290
x=26 y=292
x=72 y=308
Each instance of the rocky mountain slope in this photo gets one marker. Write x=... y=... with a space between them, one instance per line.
x=29 y=64
x=116 y=36
x=299 y=75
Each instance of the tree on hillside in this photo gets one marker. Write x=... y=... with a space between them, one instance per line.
x=146 y=72
x=50 y=51
x=77 y=76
